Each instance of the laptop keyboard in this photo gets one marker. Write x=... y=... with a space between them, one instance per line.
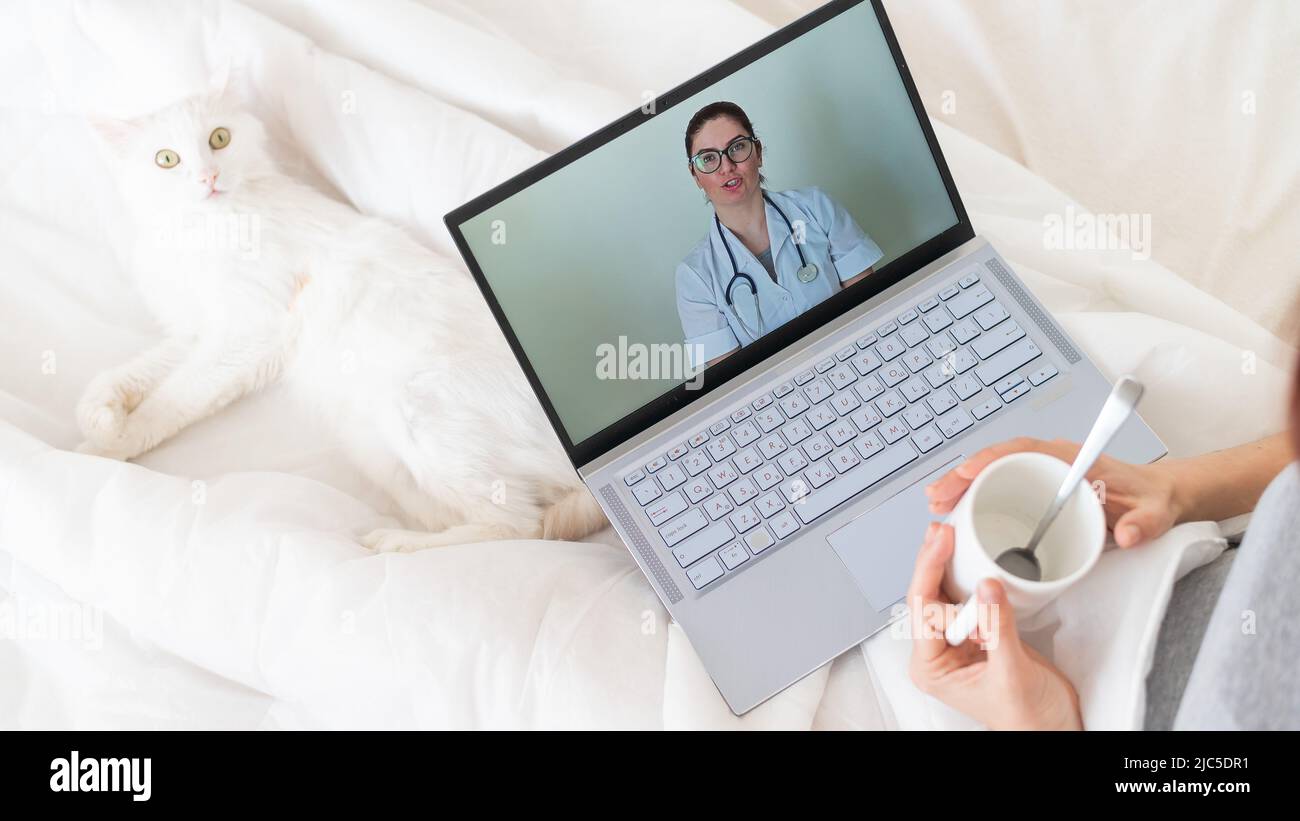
x=748 y=482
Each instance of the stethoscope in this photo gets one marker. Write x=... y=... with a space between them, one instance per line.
x=807 y=272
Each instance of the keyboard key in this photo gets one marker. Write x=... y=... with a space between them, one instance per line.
x=718 y=506
x=819 y=474
x=656 y=464
x=941 y=402
x=720 y=449
x=647 y=493
x=890 y=404
x=869 y=446
x=846 y=402
x=723 y=475
x=968 y=301
x=796 y=431
x=817 y=391
x=744 y=519
x=949 y=292
x=927 y=439
x=821 y=416
x=759 y=540
x=742 y=491
x=844 y=460
x=869 y=388
x=783 y=524
x=705 y=542
x=770 y=505
x=696 y=463
x=865 y=362
x=795 y=490
x=929 y=305
x=995 y=340
x=793 y=405
x=1043 y=374
x=907 y=316
x=767 y=477
x=792 y=462
x=964 y=331
x=890 y=348
x=1013 y=358
x=891 y=375
x=804 y=378
x=672 y=476
x=762 y=402
x=969 y=280
x=936 y=321
x=783 y=389
x=938 y=375
x=678 y=452
x=705 y=573
x=966 y=386
x=741 y=415
x=842 y=377
x=1016 y=392
x=989 y=315
x=858 y=479
x=867 y=341
x=747 y=460
x=634 y=477
x=842 y=432
x=817 y=447
x=844 y=353
x=913 y=335
x=960 y=361
x=698 y=439
x=866 y=418
x=917 y=360
x=825 y=365
x=891 y=432
x=1008 y=383
x=745 y=434
x=666 y=508
x=771 y=446
x=734 y=555
x=954 y=423
x=940 y=346
x=698 y=489
x=719 y=426
x=692 y=521
x=916 y=416
x=769 y=420
x=985 y=408
x=913 y=389
x=886 y=329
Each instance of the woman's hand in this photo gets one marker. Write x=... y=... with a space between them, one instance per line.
x=1141 y=502
x=998 y=681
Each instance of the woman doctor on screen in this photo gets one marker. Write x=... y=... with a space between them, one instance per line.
x=767 y=256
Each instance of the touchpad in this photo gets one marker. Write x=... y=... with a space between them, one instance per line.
x=880 y=546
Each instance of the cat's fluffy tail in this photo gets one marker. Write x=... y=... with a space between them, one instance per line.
x=573 y=517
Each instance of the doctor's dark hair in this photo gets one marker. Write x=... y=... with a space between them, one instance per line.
x=712 y=111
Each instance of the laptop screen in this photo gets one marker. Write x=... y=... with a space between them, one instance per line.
x=667 y=250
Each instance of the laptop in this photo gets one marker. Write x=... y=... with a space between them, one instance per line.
x=759 y=424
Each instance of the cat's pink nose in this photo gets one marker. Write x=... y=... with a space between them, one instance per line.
x=209 y=178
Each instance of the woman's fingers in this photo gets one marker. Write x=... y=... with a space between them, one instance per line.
x=945 y=492
x=924 y=596
x=997 y=624
x=1142 y=524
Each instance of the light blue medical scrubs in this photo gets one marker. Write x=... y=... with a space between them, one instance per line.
x=832 y=241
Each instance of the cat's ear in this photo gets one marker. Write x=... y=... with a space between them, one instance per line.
x=112 y=133
x=219 y=84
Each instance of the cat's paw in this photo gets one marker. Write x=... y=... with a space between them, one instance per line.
x=93 y=449
x=103 y=409
x=390 y=540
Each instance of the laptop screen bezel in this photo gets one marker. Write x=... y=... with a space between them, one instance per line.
x=593 y=447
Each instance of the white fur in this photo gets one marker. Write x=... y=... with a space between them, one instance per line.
x=270 y=280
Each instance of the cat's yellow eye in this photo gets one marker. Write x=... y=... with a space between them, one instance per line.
x=166 y=158
x=219 y=138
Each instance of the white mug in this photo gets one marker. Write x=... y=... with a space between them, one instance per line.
x=1000 y=511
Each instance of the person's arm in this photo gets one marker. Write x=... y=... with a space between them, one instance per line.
x=856 y=279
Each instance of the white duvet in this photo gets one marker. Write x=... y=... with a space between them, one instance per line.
x=218 y=582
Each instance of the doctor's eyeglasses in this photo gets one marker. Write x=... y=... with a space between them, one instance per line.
x=710 y=159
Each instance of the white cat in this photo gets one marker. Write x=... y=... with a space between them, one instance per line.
x=256 y=277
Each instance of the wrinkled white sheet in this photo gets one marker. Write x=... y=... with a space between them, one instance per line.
x=223 y=570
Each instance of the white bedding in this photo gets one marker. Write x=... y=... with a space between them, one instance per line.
x=219 y=581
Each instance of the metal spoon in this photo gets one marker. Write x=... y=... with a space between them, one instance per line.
x=1021 y=561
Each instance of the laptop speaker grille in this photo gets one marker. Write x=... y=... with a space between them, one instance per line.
x=1032 y=308
x=649 y=557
